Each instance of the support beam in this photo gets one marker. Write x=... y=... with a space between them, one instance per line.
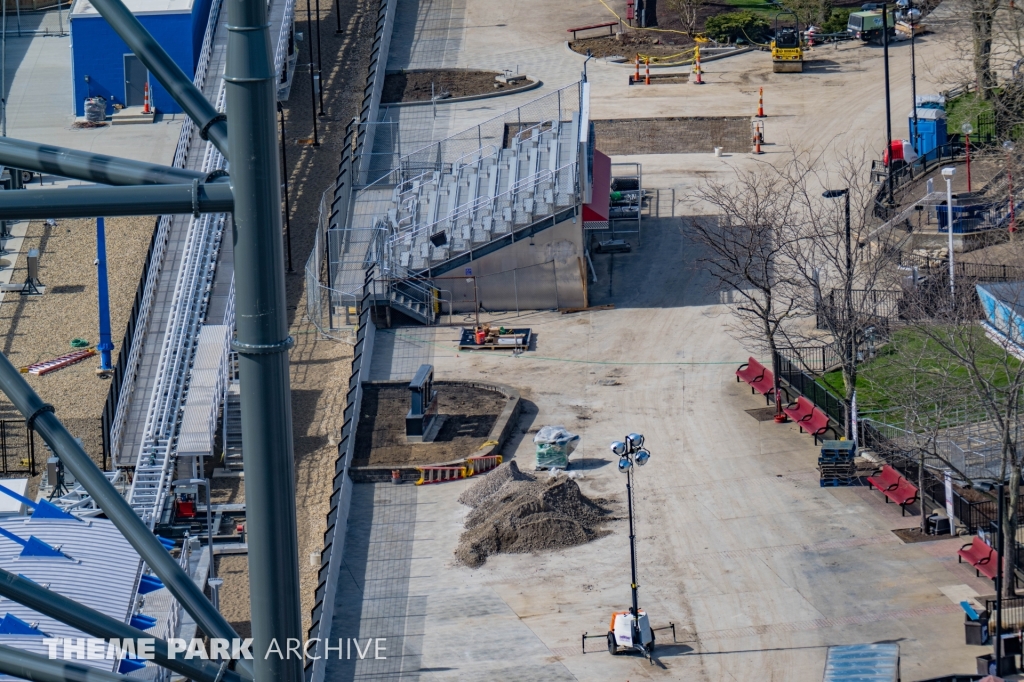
x=37 y=668
x=106 y=170
x=59 y=607
x=40 y=417
x=89 y=202
x=212 y=125
x=262 y=342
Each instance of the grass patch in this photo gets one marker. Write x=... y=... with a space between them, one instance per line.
x=915 y=365
x=756 y=6
x=965 y=108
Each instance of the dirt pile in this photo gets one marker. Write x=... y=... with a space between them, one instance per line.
x=515 y=513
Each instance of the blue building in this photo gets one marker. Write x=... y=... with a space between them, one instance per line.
x=102 y=65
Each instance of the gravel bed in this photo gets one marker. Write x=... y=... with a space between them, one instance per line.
x=37 y=328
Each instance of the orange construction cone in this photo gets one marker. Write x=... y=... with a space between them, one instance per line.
x=636 y=78
x=757 y=143
x=696 y=66
x=760 y=103
x=647 y=70
x=145 y=98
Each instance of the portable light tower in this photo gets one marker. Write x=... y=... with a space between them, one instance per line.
x=631 y=629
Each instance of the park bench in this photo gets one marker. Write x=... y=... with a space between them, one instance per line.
x=895 y=487
x=605 y=24
x=808 y=417
x=980 y=556
x=758 y=377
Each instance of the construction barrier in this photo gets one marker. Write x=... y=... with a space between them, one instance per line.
x=435 y=474
x=482 y=463
x=696 y=66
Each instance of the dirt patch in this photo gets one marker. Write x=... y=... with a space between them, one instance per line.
x=516 y=513
x=469 y=415
x=420 y=86
x=696 y=135
x=911 y=535
x=762 y=414
x=629 y=44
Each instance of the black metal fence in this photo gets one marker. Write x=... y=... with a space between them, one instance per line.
x=118 y=377
x=815 y=359
x=17 y=448
x=803 y=383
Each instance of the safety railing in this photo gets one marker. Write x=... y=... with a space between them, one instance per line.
x=115 y=411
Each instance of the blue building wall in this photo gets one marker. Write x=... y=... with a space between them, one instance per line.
x=98 y=52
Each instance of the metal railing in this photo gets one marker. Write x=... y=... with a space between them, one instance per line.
x=815 y=359
x=115 y=411
x=806 y=385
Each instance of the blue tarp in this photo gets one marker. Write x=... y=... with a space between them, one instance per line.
x=862 y=663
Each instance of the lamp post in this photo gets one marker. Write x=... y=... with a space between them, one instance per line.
x=848 y=283
x=888 y=107
x=631 y=452
x=967 y=129
x=948 y=173
x=1008 y=146
x=911 y=16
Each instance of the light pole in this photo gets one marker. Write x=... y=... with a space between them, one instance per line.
x=967 y=129
x=1008 y=146
x=106 y=345
x=631 y=452
x=948 y=173
x=848 y=283
x=888 y=109
x=911 y=15
x=189 y=482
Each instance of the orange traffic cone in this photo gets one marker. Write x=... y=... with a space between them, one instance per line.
x=636 y=78
x=145 y=98
x=647 y=70
x=757 y=143
x=696 y=66
x=760 y=103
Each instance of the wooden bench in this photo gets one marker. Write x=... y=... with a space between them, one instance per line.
x=758 y=377
x=808 y=417
x=608 y=24
x=895 y=487
x=980 y=556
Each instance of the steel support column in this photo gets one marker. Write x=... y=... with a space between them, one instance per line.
x=212 y=125
x=262 y=342
x=70 y=612
x=37 y=668
x=87 y=202
x=40 y=417
x=71 y=163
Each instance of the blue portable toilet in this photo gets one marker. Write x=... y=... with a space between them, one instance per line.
x=103 y=66
x=931 y=125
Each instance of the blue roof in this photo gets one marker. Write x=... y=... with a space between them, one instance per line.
x=863 y=663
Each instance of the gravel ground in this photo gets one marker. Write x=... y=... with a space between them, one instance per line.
x=319 y=368
x=36 y=328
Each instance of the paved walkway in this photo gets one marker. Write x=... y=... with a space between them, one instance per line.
x=759 y=568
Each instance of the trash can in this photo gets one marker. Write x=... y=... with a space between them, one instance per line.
x=976 y=631
x=987 y=665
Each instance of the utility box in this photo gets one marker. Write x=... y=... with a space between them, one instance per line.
x=422 y=405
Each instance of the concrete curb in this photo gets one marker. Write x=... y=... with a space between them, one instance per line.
x=468 y=98
x=703 y=59
x=499 y=433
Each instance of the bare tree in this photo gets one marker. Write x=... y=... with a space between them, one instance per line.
x=688 y=12
x=745 y=253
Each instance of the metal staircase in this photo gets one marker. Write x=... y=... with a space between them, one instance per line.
x=232 y=423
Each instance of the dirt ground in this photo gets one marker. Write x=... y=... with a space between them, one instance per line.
x=469 y=414
x=420 y=86
x=673 y=135
x=37 y=328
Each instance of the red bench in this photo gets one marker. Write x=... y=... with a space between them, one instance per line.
x=758 y=377
x=808 y=417
x=980 y=556
x=608 y=24
x=895 y=487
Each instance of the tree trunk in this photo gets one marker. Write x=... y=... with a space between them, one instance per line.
x=982 y=16
x=920 y=493
x=1010 y=533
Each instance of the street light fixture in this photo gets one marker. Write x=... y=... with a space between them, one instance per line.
x=848 y=286
x=630 y=451
x=888 y=109
x=948 y=173
x=967 y=129
x=1008 y=146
